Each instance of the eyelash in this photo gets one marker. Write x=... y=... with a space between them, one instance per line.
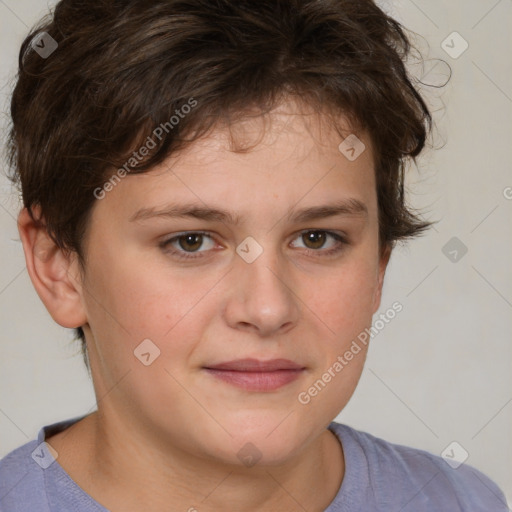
x=181 y=254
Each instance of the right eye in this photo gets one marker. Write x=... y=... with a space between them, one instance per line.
x=181 y=242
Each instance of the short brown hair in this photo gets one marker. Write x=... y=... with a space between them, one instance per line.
x=122 y=68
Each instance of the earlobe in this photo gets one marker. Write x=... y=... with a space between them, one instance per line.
x=383 y=263
x=53 y=273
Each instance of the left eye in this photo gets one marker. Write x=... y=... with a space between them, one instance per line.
x=317 y=239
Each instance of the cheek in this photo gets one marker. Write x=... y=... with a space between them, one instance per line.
x=132 y=302
x=344 y=301
x=140 y=299
x=344 y=305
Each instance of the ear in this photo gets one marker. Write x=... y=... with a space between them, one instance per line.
x=385 y=254
x=54 y=274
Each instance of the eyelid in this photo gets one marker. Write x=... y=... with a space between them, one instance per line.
x=168 y=240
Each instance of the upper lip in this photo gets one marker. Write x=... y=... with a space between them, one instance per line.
x=256 y=365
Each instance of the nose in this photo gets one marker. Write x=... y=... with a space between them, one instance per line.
x=261 y=297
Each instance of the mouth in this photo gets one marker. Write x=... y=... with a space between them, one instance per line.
x=256 y=375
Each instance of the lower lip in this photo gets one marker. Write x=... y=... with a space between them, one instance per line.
x=256 y=381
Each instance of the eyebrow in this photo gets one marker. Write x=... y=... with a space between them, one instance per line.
x=348 y=207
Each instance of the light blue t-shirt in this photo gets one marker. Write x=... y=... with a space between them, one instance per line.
x=379 y=476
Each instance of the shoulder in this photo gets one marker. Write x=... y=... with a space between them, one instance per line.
x=21 y=478
x=29 y=474
x=416 y=479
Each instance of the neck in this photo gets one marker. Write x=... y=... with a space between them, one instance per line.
x=125 y=469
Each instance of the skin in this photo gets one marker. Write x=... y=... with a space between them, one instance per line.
x=166 y=436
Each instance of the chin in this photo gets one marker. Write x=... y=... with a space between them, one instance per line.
x=263 y=441
x=256 y=453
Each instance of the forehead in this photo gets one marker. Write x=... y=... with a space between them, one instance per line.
x=293 y=125
x=258 y=165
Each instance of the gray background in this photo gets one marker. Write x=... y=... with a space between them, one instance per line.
x=441 y=371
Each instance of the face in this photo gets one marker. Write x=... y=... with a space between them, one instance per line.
x=263 y=283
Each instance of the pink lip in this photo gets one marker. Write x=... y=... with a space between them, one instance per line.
x=255 y=375
x=255 y=365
